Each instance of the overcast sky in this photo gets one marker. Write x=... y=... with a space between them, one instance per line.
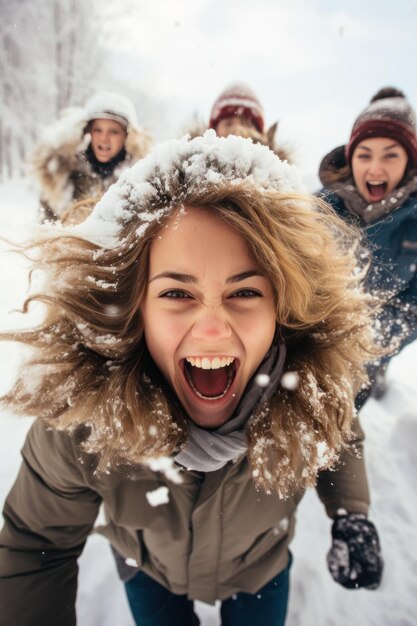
x=314 y=64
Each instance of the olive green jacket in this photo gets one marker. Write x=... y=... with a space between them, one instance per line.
x=215 y=536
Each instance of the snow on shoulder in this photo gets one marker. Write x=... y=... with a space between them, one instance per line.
x=199 y=163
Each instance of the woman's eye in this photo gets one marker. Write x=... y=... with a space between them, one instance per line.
x=246 y=293
x=175 y=294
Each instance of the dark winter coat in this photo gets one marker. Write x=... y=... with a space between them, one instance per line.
x=392 y=241
x=217 y=535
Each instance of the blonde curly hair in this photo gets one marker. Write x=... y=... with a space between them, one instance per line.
x=90 y=357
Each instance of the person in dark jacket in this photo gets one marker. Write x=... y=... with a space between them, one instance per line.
x=84 y=152
x=372 y=181
x=195 y=372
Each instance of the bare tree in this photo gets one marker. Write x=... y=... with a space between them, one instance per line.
x=49 y=55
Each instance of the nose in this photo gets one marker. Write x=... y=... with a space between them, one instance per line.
x=211 y=326
x=375 y=168
x=234 y=124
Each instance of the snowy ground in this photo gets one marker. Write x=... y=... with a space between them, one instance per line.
x=391 y=428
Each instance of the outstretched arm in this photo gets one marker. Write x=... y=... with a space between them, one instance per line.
x=354 y=559
x=346 y=487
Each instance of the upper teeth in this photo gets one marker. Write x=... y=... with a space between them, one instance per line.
x=375 y=182
x=210 y=364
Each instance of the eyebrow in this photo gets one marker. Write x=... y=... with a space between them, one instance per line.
x=390 y=147
x=189 y=278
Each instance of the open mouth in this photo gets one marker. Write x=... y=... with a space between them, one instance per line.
x=210 y=378
x=376 y=190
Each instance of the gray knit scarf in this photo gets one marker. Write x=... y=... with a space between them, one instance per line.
x=210 y=450
x=371 y=213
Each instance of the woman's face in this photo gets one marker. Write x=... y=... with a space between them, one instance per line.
x=234 y=125
x=209 y=314
x=107 y=139
x=378 y=166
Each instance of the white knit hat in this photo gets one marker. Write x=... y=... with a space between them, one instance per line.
x=111 y=106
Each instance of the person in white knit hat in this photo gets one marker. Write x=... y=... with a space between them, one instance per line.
x=84 y=152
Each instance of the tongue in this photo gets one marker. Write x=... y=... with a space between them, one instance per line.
x=210 y=383
x=377 y=192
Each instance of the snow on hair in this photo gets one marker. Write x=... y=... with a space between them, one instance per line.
x=90 y=358
x=200 y=163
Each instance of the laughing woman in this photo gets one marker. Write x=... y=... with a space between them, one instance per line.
x=372 y=181
x=205 y=337
x=84 y=152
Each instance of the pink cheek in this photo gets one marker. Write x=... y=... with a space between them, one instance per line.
x=166 y=332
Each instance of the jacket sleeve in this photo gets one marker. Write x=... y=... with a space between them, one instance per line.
x=48 y=515
x=399 y=317
x=346 y=486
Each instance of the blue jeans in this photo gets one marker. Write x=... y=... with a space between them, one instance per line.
x=153 y=605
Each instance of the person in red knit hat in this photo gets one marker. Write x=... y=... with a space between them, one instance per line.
x=237 y=111
x=372 y=182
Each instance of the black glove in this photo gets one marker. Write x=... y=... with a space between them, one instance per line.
x=355 y=560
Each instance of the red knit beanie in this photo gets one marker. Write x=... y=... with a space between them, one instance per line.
x=389 y=114
x=238 y=99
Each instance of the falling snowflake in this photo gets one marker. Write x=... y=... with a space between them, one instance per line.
x=290 y=380
x=262 y=380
